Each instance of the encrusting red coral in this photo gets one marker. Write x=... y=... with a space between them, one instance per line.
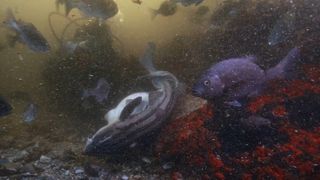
x=199 y=148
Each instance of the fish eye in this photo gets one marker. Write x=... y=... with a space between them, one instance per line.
x=206 y=83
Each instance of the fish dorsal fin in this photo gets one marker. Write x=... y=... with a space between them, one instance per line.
x=129 y=108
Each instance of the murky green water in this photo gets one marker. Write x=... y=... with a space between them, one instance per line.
x=84 y=49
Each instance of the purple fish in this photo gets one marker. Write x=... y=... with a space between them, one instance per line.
x=238 y=78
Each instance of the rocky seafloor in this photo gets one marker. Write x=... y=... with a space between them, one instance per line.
x=54 y=157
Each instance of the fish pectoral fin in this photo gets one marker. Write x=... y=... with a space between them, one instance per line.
x=129 y=108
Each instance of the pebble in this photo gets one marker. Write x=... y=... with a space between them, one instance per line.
x=92 y=170
x=28 y=168
x=146 y=160
x=68 y=155
x=124 y=177
x=7 y=172
x=79 y=171
x=3 y=161
x=67 y=173
x=16 y=155
x=137 y=177
x=45 y=159
x=9 y=169
x=167 y=165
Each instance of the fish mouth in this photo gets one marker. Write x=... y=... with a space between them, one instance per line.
x=196 y=92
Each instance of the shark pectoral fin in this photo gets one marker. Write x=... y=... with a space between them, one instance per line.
x=129 y=108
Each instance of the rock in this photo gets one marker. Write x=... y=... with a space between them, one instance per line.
x=45 y=159
x=14 y=155
x=104 y=175
x=177 y=176
x=146 y=160
x=28 y=168
x=67 y=173
x=4 y=161
x=92 y=170
x=68 y=155
x=79 y=170
x=186 y=105
x=167 y=165
x=6 y=142
x=10 y=169
x=7 y=172
x=124 y=177
x=137 y=177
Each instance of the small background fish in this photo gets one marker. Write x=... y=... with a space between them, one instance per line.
x=189 y=2
x=137 y=1
x=167 y=8
x=25 y=33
